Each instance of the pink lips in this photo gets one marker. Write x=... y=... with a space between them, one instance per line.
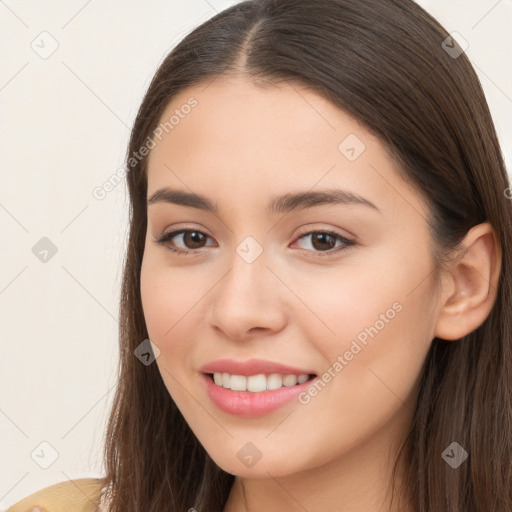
x=251 y=367
x=247 y=403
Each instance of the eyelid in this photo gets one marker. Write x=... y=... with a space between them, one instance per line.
x=301 y=231
x=347 y=243
x=176 y=230
x=308 y=229
x=164 y=240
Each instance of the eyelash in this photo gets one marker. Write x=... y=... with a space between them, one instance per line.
x=165 y=241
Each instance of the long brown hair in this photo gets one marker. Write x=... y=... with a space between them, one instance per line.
x=383 y=62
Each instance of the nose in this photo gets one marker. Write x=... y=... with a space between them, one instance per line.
x=248 y=301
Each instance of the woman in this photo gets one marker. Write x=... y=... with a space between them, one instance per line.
x=315 y=310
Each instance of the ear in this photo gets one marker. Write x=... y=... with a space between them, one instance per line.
x=472 y=284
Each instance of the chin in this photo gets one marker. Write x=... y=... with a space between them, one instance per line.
x=263 y=468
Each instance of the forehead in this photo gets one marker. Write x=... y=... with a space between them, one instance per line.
x=239 y=118
x=243 y=139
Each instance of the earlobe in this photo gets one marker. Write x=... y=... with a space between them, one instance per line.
x=473 y=279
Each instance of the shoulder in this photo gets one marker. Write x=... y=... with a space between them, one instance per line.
x=80 y=495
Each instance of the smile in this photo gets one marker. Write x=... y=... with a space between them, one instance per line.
x=247 y=397
x=257 y=383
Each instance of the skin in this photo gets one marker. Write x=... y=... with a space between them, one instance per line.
x=241 y=145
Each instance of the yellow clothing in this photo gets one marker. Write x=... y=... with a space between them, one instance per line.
x=78 y=495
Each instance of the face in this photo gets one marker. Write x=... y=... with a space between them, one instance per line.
x=337 y=292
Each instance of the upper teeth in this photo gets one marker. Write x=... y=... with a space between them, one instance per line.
x=255 y=383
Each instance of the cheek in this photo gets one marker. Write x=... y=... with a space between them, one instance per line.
x=338 y=306
x=163 y=308
x=155 y=301
x=378 y=315
x=165 y=297
x=374 y=360
x=171 y=307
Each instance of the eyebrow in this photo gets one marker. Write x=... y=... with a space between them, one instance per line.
x=278 y=204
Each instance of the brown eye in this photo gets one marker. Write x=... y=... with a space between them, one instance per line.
x=325 y=242
x=192 y=239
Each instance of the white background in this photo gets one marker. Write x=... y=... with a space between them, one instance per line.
x=64 y=125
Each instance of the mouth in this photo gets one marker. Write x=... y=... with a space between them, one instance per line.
x=254 y=395
x=258 y=383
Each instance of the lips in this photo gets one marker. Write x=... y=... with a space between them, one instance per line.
x=260 y=401
x=252 y=367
